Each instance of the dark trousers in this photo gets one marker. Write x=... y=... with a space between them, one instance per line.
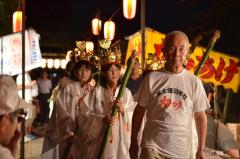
x=43 y=116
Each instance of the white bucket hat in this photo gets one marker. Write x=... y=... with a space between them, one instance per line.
x=9 y=99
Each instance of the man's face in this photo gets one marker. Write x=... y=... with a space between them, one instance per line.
x=176 y=50
x=136 y=67
x=9 y=125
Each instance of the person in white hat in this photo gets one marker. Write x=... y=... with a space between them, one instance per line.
x=11 y=114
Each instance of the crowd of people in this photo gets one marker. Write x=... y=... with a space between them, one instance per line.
x=155 y=114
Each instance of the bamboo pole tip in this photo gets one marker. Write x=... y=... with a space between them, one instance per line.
x=216 y=34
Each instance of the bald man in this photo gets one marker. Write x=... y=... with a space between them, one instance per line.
x=170 y=97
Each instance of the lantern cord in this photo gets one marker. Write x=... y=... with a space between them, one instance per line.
x=114 y=14
x=98 y=14
x=19 y=5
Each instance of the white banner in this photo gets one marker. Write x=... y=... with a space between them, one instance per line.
x=11 y=52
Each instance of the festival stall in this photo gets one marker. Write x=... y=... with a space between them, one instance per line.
x=11 y=52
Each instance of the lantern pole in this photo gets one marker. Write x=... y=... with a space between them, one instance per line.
x=143 y=23
x=23 y=78
x=1 y=55
x=227 y=105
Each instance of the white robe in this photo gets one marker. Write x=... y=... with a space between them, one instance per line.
x=66 y=116
x=119 y=140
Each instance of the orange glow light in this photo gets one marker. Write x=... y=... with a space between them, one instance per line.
x=17 y=21
x=129 y=8
x=96 y=26
x=109 y=30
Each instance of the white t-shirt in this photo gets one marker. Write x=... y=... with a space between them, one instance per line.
x=44 y=86
x=28 y=91
x=5 y=153
x=170 y=100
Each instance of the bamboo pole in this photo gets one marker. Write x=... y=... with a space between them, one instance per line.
x=143 y=23
x=227 y=105
x=212 y=41
x=215 y=107
x=217 y=111
x=115 y=109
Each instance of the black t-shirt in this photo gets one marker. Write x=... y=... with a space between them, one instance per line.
x=133 y=85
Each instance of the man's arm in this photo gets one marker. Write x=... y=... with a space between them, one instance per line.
x=136 y=124
x=27 y=86
x=201 y=125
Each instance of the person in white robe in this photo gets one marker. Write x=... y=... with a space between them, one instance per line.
x=103 y=99
x=68 y=124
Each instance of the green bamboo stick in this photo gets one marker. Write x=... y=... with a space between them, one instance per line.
x=211 y=43
x=115 y=109
x=227 y=105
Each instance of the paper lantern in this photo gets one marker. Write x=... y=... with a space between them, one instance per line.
x=57 y=63
x=63 y=63
x=96 y=26
x=43 y=63
x=109 y=30
x=17 y=21
x=129 y=8
x=50 y=63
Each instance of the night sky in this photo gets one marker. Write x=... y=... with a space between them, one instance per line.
x=62 y=22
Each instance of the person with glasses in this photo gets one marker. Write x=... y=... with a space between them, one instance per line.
x=11 y=114
x=170 y=97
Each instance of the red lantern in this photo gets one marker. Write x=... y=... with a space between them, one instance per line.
x=96 y=26
x=129 y=8
x=17 y=21
x=109 y=30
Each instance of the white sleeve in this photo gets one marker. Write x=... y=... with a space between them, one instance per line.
x=128 y=101
x=19 y=79
x=142 y=97
x=200 y=101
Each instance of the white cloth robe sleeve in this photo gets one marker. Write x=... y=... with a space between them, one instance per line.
x=65 y=117
x=98 y=105
x=59 y=122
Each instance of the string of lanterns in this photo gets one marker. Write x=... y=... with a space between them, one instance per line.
x=54 y=63
x=129 y=12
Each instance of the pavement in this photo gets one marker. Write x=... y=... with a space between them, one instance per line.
x=33 y=149
x=33 y=143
